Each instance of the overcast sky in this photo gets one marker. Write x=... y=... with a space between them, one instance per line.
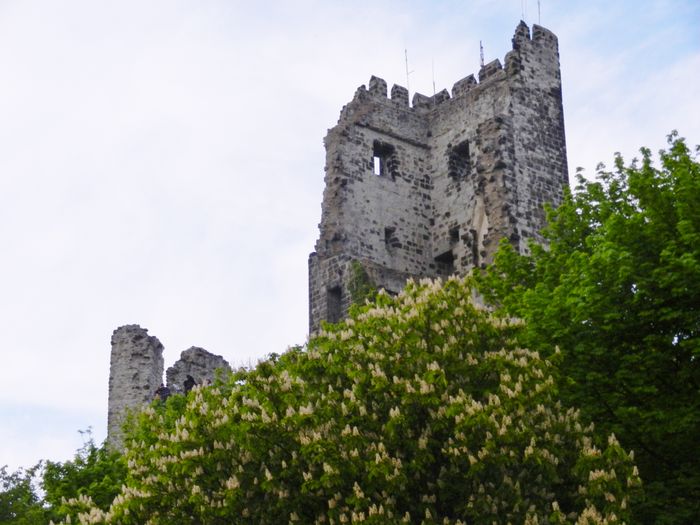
x=161 y=162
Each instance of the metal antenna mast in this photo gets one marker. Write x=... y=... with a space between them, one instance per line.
x=481 y=52
x=407 y=72
x=539 y=16
x=523 y=9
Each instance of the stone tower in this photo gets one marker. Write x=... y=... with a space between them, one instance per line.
x=429 y=189
x=136 y=371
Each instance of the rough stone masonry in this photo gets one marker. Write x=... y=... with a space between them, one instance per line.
x=428 y=190
x=136 y=372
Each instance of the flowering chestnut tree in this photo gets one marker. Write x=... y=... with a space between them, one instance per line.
x=417 y=409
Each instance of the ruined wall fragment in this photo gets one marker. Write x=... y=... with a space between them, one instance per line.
x=196 y=362
x=136 y=371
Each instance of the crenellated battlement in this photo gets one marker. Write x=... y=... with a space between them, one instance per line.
x=429 y=188
x=542 y=40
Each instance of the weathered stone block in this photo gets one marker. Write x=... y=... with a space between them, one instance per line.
x=399 y=94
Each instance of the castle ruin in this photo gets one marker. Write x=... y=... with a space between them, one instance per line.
x=429 y=189
x=421 y=190
x=136 y=372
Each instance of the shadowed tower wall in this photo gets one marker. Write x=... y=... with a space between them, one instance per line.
x=429 y=189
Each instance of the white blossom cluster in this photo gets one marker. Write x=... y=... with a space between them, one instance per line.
x=417 y=409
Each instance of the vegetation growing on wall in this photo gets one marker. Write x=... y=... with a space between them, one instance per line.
x=360 y=284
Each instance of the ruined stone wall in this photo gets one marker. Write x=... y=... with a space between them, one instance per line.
x=429 y=189
x=196 y=362
x=136 y=372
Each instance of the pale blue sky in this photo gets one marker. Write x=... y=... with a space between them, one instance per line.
x=162 y=162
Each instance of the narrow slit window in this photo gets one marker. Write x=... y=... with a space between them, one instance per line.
x=383 y=159
x=475 y=247
x=454 y=235
x=377 y=165
x=390 y=237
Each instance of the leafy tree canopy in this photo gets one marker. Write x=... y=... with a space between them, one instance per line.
x=618 y=289
x=19 y=502
x=417 y=409
x=95 y=474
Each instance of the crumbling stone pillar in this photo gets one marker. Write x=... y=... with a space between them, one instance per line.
x=136 y=371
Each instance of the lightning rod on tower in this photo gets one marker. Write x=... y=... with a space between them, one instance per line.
x=407 y=71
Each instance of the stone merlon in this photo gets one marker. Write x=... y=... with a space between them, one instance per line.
x=541 y=37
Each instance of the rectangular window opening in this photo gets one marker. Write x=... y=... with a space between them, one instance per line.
x=445 y=263
x=334 y=304
x=459 y=160
x=383 y=159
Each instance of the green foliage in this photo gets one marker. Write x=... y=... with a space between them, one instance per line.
x=93 y=478
x=360 y=286
x=618 y=289
x=19 y=502
x=417 y=409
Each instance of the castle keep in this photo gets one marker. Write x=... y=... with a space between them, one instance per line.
x=429 y=189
